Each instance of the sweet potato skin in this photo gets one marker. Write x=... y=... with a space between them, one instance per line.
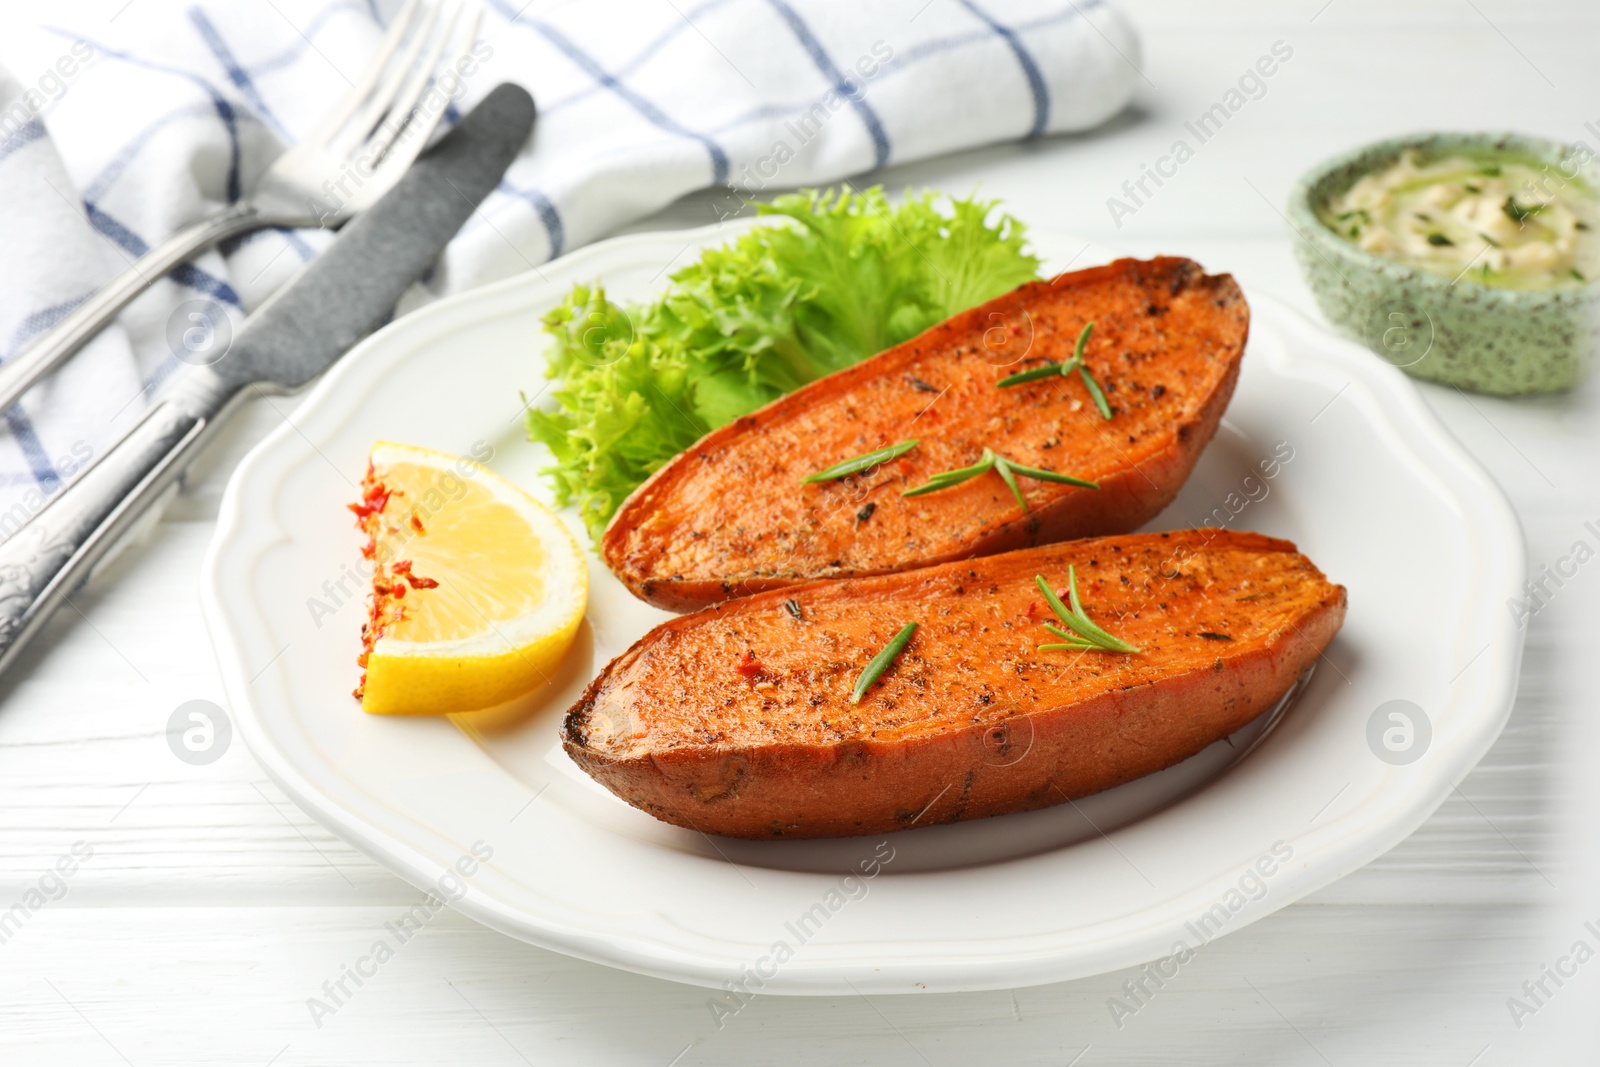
x=731 y=516
x=736 y=720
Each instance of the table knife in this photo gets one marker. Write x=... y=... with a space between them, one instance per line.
x=341 y=296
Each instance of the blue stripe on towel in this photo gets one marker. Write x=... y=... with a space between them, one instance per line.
x=40 y=466
x=843 y=85
x=237 y=75
x=37 y=322
x=548 y=215
x=22 y=432
x=640 y=58
x=649 y=111
x=299 y=48
x=10 y=478
x=205 y=282
x=113 y=171
x=230 y=123
x=1030 y=69
x=27 y=133
x=224 y=110
x=124 y=238
x=909 y=56
x=301 y=246
x=184 y=274
x=905 y=58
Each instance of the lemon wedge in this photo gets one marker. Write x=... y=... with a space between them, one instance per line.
x=477 y=588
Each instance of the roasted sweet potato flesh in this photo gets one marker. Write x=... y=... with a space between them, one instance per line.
x=737 y=720
x=732 y=516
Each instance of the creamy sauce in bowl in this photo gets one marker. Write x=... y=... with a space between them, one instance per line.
x=1496 y=220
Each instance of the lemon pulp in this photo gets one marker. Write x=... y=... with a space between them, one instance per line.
x=478 y=589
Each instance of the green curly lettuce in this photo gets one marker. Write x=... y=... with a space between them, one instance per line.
x=847 y=277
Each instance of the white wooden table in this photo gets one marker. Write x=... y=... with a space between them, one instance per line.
x=212 y=908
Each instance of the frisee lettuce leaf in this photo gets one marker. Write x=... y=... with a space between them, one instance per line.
x=782 y=305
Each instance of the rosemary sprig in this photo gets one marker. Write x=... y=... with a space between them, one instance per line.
x=1007 y=469
x=945 y=479
x=880 y=662
x=1094 y=391
x=1084 y=635
x=1064 y=369
x=862 y=462
x=1049 y=370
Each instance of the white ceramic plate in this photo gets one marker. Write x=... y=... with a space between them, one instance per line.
x=1376 y=492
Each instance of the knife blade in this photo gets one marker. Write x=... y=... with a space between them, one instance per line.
x=339 y=297
x=345 y=292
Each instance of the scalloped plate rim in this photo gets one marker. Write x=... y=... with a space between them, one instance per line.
x=1341 y=845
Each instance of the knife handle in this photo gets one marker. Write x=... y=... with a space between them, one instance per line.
x=46 y=560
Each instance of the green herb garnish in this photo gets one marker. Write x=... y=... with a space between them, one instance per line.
x=792 y=606
x=1007 y=469
x=865 y=461
x=1490 y=241
x=1439 y=240
x=1490 y=170
x=1520 y=213
x=1085 y=635
x=1094 y=391
x=1065 y=368
x=1576 y=273
x=880 y=662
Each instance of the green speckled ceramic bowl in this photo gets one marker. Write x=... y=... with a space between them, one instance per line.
x=1503 y=341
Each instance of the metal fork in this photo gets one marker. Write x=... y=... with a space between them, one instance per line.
x=356 y=153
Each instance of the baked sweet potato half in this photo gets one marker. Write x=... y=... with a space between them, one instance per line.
x=732 y=515
x=738 y=720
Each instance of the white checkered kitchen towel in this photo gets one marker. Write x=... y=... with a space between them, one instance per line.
x=117 y=127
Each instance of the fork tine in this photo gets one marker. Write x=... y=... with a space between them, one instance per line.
x=340 y=113
x=403 y=115
x=381 y=102
x=412 y=136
